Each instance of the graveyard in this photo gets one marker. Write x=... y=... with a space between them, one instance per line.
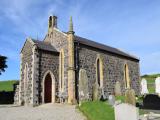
x=150 y=81
x=128 y=107
x=143 y=107
x=95 y=111
x=79 y=60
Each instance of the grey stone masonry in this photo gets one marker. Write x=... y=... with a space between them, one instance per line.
x=59 y=40
x=113 y=69
x=51 y=70
x=26 y=59
x=16 y=95
x=47 y=61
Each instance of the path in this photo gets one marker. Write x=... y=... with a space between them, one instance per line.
x=43 y=112
x=151 y=115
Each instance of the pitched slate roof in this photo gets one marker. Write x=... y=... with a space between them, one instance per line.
x=103 y=47
x=44 y=46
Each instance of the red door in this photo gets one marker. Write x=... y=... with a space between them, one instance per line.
x=48 y=89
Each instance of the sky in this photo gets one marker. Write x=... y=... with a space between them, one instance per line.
x=130 y=25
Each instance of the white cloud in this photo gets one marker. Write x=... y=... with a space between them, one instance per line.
x=29 y=17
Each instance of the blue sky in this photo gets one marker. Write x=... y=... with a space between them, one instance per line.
x=131 y=25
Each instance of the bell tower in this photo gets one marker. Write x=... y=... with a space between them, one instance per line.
x=52 y=23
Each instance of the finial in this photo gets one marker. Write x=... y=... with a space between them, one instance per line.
x=71 y=25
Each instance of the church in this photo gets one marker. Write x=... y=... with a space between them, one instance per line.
x=64 y=65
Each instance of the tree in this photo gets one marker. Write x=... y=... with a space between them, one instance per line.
x=2 y=64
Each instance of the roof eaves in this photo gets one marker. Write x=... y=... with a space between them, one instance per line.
x=103 y=47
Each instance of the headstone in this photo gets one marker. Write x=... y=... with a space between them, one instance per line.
x=130 y=97
x=157 y=85
x=63 y=97
x=126 y=112
x=83 y=85
x=96 y=91
x=117 y=102
x=144 y=89
x=111 y=100
x=117 y=89
x=151 y=101
x=103 y=95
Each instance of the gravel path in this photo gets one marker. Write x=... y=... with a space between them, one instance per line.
x=43 y=112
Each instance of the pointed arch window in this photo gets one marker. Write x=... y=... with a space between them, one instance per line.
x=99 y=72
x=61 y=70
x=126 y=76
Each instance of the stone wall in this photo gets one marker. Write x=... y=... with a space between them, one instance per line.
x=26 y=58
x=48 y=61
x=113 y=69
x=16 y=95
x=59 y=40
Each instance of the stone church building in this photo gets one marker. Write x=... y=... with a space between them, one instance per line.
x=64 y=67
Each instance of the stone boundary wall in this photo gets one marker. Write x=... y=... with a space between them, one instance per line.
x=16 y=95
x=6 y=97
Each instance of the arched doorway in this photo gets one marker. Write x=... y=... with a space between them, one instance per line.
x=48 y=89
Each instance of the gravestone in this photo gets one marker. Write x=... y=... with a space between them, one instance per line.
x=117 y=89
x=111 y=100
x=144 y=89
x=157 y=85
x=151 y=101
x=130 y=97
x=103 y=95
x=96 y=91
x=83 y=85
x=126 y=112
x=63 y=97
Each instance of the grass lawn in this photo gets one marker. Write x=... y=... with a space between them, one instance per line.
x=151 y=81
x=7 y=85
x=97 y=110
x=122 y=98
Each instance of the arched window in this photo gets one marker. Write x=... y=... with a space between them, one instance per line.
x=99 y=72
x=126 y=76
x=61 y=70
x=25 y=76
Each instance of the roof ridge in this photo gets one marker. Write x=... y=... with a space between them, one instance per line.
x=101 y=46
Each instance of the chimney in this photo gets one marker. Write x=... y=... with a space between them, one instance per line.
x=52 y=22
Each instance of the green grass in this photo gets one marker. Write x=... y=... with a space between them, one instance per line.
x=151 y=76
x=142 y=112
x=122 y=98
x=151 y=81
x=7 y=85
x=97 y=110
